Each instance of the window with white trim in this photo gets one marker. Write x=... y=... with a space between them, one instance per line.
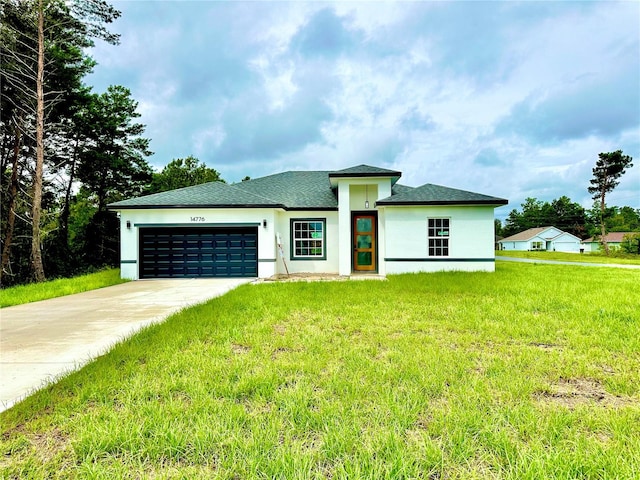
x=536 y=246
x=308 y=239
x=438 y=237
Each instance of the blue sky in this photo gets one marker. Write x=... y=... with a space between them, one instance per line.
x=508 y=99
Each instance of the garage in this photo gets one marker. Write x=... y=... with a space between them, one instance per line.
x=189 y=252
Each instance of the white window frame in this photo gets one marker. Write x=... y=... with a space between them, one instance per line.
x=438 y=236
x=300 y=241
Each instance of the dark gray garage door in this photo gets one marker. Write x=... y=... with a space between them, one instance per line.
x=198 y=252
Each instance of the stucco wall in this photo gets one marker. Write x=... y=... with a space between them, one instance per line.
x=471 y=239
x=179 y=217
x=283 y=226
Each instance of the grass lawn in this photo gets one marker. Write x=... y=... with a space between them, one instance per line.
x=593 y=257
x=58 y=288
x=530 y=372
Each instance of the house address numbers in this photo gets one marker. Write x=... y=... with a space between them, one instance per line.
x=198 y=219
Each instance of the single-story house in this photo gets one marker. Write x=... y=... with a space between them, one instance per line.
x=542 y=238
x=351 y=221
x=614 y=239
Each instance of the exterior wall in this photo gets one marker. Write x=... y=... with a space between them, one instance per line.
x=471 y=239
x=597 y=246
x=352 y=194
x=514 y=246
x=550 y=233
x=283 y=227
x=566 y=243
x=184 y=217
x=525 y=245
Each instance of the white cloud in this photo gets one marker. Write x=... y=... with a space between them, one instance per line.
x=509 y=99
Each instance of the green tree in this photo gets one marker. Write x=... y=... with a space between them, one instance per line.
x=43 y=61
x=631 y=243
x=112 y=165
x=182 y=172
x=625 y=219
x=562 y=213
x=606 y=174
x=568 y=216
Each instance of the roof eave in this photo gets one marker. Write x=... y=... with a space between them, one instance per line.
x=443 y=202
x=311 y=209
x=174 y=206
x=393 y=176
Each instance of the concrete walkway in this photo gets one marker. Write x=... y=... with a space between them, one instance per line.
x=41 y=341
x=558 y=262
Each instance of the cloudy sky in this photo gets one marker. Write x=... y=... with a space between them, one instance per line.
x=503 y=98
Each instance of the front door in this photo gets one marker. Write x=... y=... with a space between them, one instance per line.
x=364 y=243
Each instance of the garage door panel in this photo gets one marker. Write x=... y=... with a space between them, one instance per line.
x=198 y=252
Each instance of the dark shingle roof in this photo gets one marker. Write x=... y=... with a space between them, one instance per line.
x=300 y=191
x=295 y=190
x=212 y=194
x=430 y=194
x=364 y=171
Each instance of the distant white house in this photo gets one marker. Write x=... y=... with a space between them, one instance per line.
x=614 y=239
x=542 y=238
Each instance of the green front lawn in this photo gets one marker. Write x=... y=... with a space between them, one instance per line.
x=57 y=288
x=593 y=257
x=530 y=372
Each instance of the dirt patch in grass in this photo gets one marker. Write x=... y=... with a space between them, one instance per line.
x=303 y=277
x=240 y=349
x=573 y=392
x=45 y=446
x=546 y=346
x=316 y=277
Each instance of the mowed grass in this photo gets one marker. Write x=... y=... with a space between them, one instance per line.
x=530 y=372
x=591 y=257
x=35 y=292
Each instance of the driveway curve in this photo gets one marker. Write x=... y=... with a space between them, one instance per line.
x=41 y=341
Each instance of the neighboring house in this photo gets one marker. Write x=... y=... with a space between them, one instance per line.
x=542 y=238
x=614 y=239
x=356 y=220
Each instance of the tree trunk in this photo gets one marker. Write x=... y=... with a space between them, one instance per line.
x=36 y=251
x=603 y=239
x=11 y=207
x=66 y=209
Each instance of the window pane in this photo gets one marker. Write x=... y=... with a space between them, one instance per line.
x=364 y=241
x=363 y=224
x=308 y=238
x=364 y=258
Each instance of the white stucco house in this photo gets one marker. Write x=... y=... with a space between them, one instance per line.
x=542 y=238
x=353 y=221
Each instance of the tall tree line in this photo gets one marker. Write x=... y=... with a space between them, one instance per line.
x=570 y=217
x=65 y=151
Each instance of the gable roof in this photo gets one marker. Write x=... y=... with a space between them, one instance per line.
x=611 y=237
x=300 y=190
x=430 y=194
x=535 y=232
x=364 y=171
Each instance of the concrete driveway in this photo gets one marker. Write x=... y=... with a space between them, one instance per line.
x=41 y=341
